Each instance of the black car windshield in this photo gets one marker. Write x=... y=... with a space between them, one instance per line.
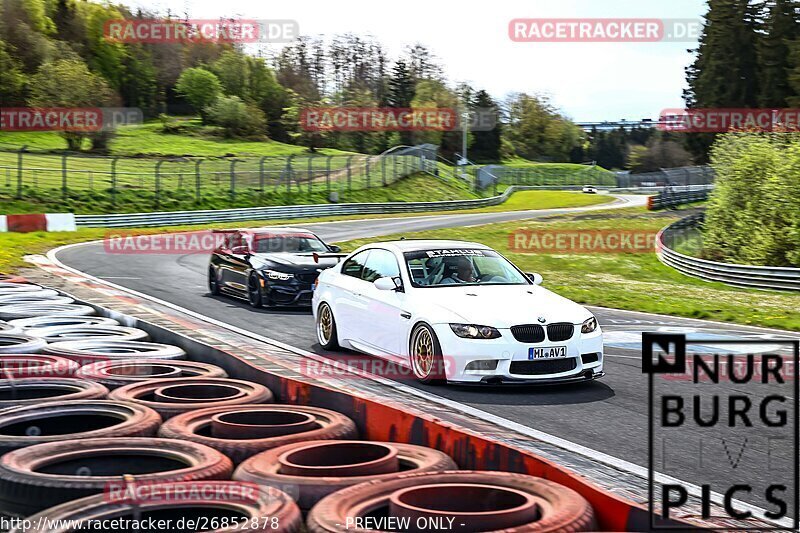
x=287 y=243
x=461 y=266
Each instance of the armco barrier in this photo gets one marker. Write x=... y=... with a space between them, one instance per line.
x=37 y=222
x=749 y=276
x=175 y=218
x=672 y=197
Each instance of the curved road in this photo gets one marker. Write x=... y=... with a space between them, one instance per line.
x=609 y=415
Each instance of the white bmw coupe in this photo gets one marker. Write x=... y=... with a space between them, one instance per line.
x=455 y=311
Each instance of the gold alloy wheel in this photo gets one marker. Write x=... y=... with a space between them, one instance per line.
x=324 y=324
x=422 y=352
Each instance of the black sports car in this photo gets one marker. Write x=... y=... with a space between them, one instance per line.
x=270 y=266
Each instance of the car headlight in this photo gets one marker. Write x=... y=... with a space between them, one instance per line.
x=274 y=274
x=471 y=331
x=589 y=325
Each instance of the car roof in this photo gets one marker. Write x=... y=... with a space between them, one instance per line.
x=413 y=245
x=275 y=229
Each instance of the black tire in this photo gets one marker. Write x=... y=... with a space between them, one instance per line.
x=329 y=339
x=435 y=373
x=254 y=294
x=213 y=282
x=76 y=469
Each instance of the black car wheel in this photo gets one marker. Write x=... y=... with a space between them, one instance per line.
x=213 y=282
x=254 y=295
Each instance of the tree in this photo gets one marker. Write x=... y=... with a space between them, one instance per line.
x=12 y=79
x=200 y=87
x=69 y=83
x=724 y=73
x=401 y=94
x=235 y=117
x=537 y=131
x=486 y=145
x=659 y=153
x=233 y=71
x=774 y=55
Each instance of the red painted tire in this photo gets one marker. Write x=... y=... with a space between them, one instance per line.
x=92 y=351
x=11 y=278
x=16 y=366
x=115 y=374
x=32 y=391
x=269 y=468
x=44 y=475
x=74 y=420
x=231 y=429
x=501 y=501
x=269 y=509
x=189 y=394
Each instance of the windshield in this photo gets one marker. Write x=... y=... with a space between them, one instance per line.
x=463 y=266
x=288 y=243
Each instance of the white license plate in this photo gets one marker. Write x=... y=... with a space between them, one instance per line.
x=549 y=352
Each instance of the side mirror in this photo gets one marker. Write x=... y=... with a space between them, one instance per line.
x=335 y=249
x=240 y=250
x=388 y=284
x=535 y=278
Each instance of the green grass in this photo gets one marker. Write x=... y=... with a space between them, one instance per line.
x=148 y=140
x=13 y=246
x=634 y=281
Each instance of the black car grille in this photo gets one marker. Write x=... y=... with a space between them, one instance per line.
x=560 y=331
x=538 y=368
x=306 y=278
x=528 y=333
x=589 y=358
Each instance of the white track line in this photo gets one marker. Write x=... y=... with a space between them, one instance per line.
x=553 y=440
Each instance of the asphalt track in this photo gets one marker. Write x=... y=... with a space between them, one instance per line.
x=609 y=415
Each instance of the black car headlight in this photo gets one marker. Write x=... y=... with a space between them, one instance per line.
x=274 y=274
x=471 y=331
x=589 y=325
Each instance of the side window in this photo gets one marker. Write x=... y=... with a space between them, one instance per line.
x=380 y=264
x=355 y=265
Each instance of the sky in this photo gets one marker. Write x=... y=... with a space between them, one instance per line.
x=585 y=81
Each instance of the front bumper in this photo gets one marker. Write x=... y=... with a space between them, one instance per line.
x=287 y=292
x=583 y=362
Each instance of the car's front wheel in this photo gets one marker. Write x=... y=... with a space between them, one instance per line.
x=326 y=327
x=213 y=282
x=425 y=352
x=254 y=295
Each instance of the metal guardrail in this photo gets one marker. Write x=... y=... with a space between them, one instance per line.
x=175 y=218
x=749 y=276
x=672 y=197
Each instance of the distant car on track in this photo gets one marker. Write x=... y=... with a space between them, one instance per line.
x=270 y=266
x=589 y=189
x=455 y=311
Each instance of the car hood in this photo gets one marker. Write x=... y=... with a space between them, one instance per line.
x=501 y=306
x=290 y=263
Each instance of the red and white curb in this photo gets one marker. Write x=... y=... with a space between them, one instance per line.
x=37 y=222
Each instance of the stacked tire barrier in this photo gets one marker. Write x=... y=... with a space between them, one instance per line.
x=100 y=423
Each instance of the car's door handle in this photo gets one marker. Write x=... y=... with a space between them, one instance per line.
x=406 y=315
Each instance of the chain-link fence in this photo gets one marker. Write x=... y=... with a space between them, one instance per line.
x=238 y=180
x=556 y=175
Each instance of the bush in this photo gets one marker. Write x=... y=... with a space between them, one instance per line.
x=236 y=118
x=753 y=216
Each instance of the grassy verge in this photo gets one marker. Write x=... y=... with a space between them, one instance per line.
x=634 y=281
x=14 y=246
